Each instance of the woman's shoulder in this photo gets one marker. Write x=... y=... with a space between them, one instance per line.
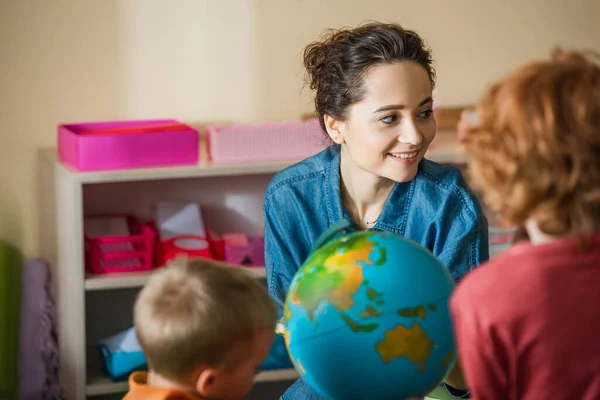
x=447 y=181
x=311 y=168
x=444 y=175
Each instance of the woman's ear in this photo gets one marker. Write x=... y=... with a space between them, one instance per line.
x=206 y=382
x=335 y=129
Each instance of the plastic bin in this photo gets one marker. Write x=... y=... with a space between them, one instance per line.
x=127 y=144
x=115 y=254
x=292 y=140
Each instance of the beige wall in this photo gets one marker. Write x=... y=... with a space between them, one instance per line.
x=224 y=60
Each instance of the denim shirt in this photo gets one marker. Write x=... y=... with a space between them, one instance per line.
x=436 y=209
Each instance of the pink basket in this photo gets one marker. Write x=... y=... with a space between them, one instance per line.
x=104 y=151
x=115 y=254
x=293 y=140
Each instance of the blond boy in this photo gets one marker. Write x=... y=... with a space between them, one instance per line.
x=205 y=327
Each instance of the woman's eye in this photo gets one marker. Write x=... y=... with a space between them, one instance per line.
x=426 y=114
x=390 y=119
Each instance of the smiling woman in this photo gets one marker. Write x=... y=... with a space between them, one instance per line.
x=388 y=132
x=373 y=95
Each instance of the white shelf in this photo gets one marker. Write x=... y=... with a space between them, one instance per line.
x=98 y=383
x=277 y=375
x=201 y=170
x=138 y=279
x=70 y=194
x=127 y=280
x=444 y=149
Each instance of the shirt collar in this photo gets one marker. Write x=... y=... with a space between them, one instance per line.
x=393 y=216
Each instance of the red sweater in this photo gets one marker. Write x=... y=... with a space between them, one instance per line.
x=528 y=324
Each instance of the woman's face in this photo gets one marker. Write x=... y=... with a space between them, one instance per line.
x=389 y=131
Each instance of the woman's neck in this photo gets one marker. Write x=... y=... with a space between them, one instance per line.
x=364 y=194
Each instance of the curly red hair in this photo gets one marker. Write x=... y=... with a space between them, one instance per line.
x=535 y=152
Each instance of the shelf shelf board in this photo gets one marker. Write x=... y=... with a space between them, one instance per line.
x=444 y=149
x=98 y=383
x=126 y=280
x=277 y=375
x=203 y=169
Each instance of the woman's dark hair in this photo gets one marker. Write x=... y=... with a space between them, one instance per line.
x=337 y=64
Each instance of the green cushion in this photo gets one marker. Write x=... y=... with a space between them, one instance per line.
x=11 y=262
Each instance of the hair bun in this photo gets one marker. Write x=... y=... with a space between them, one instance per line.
x=315 y=58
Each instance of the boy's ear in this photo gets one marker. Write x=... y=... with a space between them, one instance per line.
x=335 y=129
x=207 y=382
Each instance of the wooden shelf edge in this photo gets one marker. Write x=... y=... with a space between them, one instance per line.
x=203 y=168
x=98 y=383
x=445 y=149
x=128 y=280
x=277 y=375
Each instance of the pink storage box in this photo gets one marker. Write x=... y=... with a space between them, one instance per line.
x=252 y=255
x=89 y=152
x=292 y=140
x=114 y=254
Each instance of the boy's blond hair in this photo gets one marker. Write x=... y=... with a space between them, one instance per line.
x=192 y=313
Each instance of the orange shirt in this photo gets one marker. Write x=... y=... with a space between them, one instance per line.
x=140 y=390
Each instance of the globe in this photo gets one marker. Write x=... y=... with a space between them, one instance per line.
x=366 y=317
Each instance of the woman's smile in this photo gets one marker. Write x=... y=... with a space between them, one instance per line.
x=405 y=157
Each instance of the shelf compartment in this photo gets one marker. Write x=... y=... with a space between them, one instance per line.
x=126 y=280
x=98 y=382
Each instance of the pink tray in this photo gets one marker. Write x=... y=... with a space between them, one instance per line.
x=293 y=140
x=88 y=152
